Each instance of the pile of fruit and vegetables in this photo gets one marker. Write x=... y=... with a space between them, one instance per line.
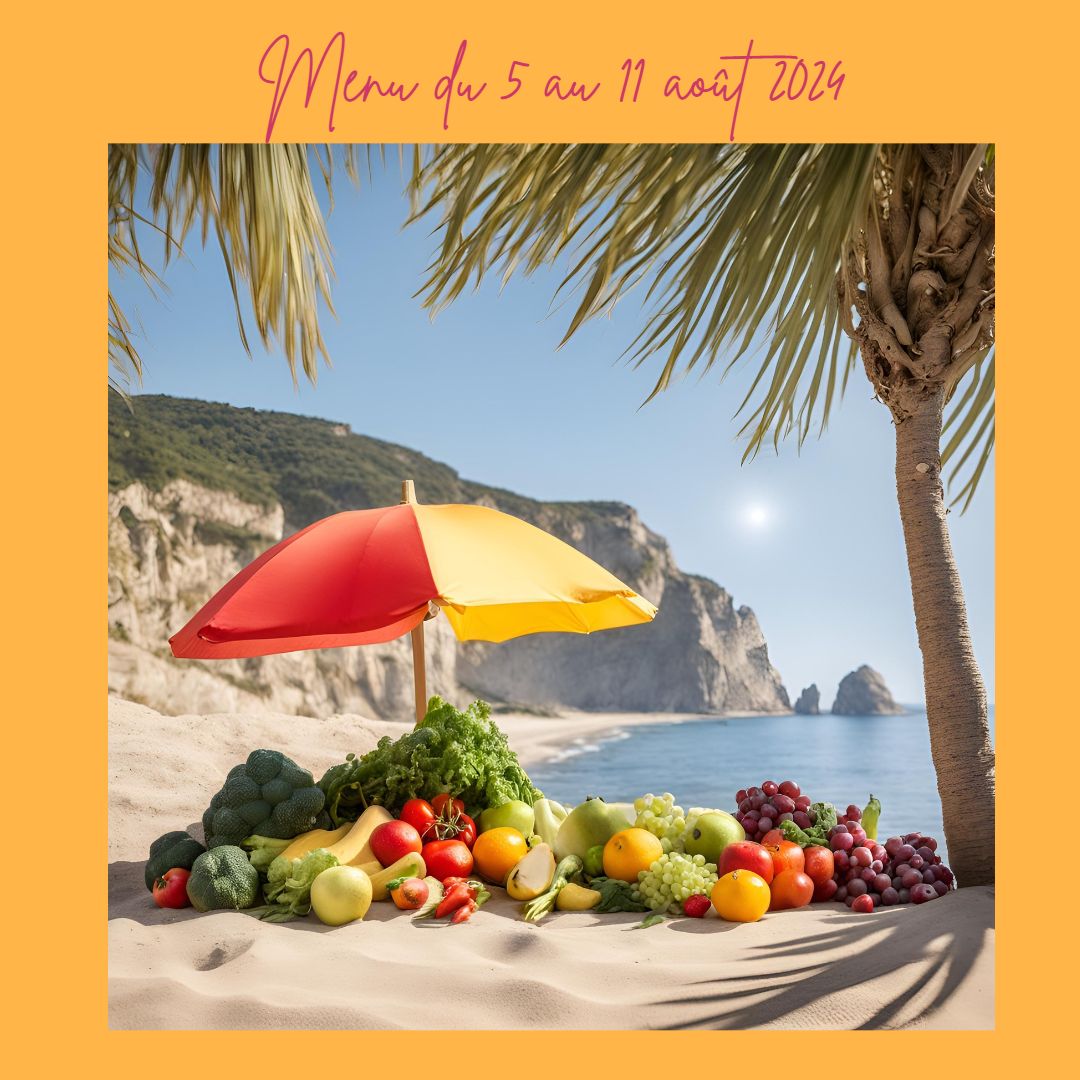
x=429 y=821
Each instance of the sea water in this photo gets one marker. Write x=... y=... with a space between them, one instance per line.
x=837 y=759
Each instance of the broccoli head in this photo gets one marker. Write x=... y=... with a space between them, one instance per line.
x=268 y=795
x=174 y=850
x=223 y=879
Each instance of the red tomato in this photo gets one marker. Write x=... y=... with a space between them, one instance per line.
x=451 y=822
x=170 y=890
x=820 y=865
x=773 y=836
x=785 y=856
x=790 y=889
x=392 y=840
x=438 y=804
x=420 y=814
x=466 y=830
x=447 y=858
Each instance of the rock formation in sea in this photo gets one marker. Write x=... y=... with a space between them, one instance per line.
x=809 y=702
x=863 y=693
x=197 y=490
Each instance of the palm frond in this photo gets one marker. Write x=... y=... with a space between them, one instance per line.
x=260 y=203
x=724 y=240
x=969 y=430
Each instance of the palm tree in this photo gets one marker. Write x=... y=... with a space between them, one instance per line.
x=879 y=251
x=261 y=204
x=889 y=247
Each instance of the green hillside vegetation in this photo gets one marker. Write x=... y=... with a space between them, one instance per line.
x=312 y=467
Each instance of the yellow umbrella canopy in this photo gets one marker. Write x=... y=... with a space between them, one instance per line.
x=500 y=577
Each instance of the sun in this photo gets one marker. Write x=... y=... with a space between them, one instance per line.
x=756 y=516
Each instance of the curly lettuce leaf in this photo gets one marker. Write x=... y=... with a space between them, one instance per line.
x=463 y=753
x=288 y=884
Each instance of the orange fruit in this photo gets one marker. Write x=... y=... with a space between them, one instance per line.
x=741 y=896
x=629 y=852
x=497 y=851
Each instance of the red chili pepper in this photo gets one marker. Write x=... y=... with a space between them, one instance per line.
x=464 y=912
x=454 y=898
x=471 y=884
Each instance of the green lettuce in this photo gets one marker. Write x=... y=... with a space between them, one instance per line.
x=824 y=815
x=288 y=884
x=463 y=753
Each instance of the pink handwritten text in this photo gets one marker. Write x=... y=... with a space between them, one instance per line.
x=726 y=79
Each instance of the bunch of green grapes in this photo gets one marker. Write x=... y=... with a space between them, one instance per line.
x=662 y=818
x=671 y=879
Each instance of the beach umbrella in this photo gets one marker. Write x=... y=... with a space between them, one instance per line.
x=367 y=576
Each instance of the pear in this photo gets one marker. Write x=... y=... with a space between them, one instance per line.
x=573 y=897
x=593 y=822
x=533 y=874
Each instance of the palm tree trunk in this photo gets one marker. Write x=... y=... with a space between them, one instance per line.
x=955 y=694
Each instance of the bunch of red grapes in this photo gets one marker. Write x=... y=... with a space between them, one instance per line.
x=761 y=809
x=903 y=870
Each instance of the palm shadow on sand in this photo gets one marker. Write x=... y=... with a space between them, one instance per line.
x=854 y=951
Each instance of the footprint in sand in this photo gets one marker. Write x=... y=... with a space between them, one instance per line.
x=224 y=952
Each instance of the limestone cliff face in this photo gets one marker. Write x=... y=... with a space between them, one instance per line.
x=170 y=549
x=700 y=654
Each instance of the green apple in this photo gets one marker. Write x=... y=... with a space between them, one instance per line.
x=712 y=833
x=511 y=815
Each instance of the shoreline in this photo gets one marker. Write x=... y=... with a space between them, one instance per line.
x=540 y=739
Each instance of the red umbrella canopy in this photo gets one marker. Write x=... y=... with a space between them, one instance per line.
x=355 y=578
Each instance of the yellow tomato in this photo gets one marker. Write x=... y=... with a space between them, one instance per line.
x=629 y=852
x=497 y=851
x=741 y=896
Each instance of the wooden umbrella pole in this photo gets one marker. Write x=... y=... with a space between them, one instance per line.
x=419 y=674
x=408 y=495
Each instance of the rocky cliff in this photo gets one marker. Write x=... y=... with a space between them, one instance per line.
x=809 y=701
x=197 y=490
x=863 y=693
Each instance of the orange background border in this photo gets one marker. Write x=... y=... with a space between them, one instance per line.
x=74 y=80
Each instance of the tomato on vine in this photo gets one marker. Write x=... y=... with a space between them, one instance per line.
x=440 y=802
x=421 y=815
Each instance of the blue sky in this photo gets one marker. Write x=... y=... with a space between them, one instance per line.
x=810 y=540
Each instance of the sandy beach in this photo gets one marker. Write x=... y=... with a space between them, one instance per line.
x=819 y=967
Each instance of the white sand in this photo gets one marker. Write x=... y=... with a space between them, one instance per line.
x=821 y=967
